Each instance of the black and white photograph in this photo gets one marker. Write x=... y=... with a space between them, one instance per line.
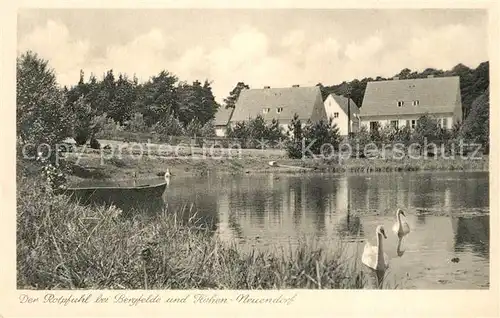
x=252 y=149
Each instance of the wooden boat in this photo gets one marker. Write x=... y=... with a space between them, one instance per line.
x=118 y=193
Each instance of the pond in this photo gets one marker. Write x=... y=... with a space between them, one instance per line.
x=448 y=213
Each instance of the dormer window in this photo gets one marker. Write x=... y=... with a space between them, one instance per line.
x=335 y=115
x=416 y=102
x=266 y=110
x=400 y=103
x=279 y=109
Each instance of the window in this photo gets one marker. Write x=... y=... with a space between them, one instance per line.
x=373 y=125
x=400 y=103
x=279 y=109
x=335 y=115
x=394 y=123
x=413 y=123
x=407 y=123
x=265 y=110
x=440 y=122
x=416 y=102
x=445 y=123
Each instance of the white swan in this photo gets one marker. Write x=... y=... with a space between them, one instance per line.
x=400 y=228
x=167 y=174
x=167 y=177
x=374 y=256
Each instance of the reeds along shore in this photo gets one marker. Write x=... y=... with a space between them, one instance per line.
x=125 y=166
x=62 y=245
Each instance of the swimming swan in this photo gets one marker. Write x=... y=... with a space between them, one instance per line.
x=167 y=177
x=374 y=256
x=400 y=228
x=167 y=174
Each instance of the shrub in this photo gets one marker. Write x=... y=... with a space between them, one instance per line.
x=169 y=125
x=94 y=144
x=323 y=137
x=41 y=114
x=295 y=135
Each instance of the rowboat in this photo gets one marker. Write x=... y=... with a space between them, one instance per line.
x=118 y=193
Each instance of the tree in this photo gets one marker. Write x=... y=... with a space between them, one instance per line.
x=87 y=122
x=360 y=140
x=239 y=131
x=426 y=131
x=388 y=134
x=137 y=123
x=403 y=135
x=295 y=135
x=193 y=128
x=274 y=131
x=230 y=101
x=158 y=98
x=196 y=101
x=376 y=134
x=169 y=125
x=208 y=130
x=121 y=107
x=322 y=137
x=257 y=128
x=476 y=127
x=41 y=113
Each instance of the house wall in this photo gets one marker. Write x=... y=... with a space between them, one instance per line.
x=284 y=127
x=402 y=119
x=220 y=131
x=332 y=107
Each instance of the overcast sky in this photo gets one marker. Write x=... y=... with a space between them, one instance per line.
x=260 y=47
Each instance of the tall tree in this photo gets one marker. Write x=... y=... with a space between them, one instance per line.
x=158 y=97
x=42 y=116
x=230 y=101
x=121 y=107
x=196 y=102
x=476 y=127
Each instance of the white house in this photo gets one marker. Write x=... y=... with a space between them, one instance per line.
x=222 y=118
x=280 y=104
x=336 y=107
x=403 y=102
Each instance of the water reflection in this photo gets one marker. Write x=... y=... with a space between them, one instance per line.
x=264 y=211
x=447 y=214
x=472 y=233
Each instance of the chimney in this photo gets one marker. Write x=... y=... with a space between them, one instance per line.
x=395 y=78
x=296 y=85
x=267 y=86
x=430 y=76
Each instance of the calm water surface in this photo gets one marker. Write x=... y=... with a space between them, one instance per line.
x=447 y=212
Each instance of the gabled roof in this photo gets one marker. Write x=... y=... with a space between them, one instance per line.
x=342 y=102
x=223 y=116
x=300 y=100
x=434 y=95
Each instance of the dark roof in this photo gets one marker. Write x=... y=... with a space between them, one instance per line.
x=434 y=95
x=223 y=116
x=300 y=100
x=342 y=102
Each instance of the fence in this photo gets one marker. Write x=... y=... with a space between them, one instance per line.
x=144 y=137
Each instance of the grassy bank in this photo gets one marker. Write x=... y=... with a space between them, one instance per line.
x=93 y=165
x=63 y=245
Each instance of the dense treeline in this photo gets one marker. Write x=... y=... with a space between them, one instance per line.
x=166 y=106
x=163 y=94
x=163 y=104
x=473 y=82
